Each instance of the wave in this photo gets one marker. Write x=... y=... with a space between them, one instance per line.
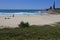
x=21 y=13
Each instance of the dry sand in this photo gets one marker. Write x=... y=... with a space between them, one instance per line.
x=33 y=20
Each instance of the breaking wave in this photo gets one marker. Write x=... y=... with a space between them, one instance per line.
x=21 y=13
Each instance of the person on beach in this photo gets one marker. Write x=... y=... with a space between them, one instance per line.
x=13 y=15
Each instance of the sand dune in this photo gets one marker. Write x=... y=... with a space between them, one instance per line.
x=33 y=20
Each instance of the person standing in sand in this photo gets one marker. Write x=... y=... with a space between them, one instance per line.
x=13 y=15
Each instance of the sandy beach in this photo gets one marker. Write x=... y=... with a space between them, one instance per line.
x=32 y=20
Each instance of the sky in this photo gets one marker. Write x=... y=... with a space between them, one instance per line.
x=28 y=4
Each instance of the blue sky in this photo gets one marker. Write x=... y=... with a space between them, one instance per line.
x=27 y=4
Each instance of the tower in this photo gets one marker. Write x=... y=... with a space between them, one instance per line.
x=54 y=5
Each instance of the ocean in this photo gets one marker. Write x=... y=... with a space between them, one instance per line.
x=20 y=12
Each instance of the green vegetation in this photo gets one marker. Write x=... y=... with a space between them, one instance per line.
x=57 y=10
x=23 y=25
x=34 y=32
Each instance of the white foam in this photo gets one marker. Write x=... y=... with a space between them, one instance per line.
x=22 y=13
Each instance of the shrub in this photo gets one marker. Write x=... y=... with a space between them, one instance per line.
x=27 y=24
x=23 y=25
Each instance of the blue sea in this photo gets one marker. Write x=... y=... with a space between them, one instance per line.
x=20 y=12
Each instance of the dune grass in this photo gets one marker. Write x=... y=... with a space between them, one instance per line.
x=34 y=32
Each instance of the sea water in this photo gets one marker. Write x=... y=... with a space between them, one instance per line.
x=20 y=12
